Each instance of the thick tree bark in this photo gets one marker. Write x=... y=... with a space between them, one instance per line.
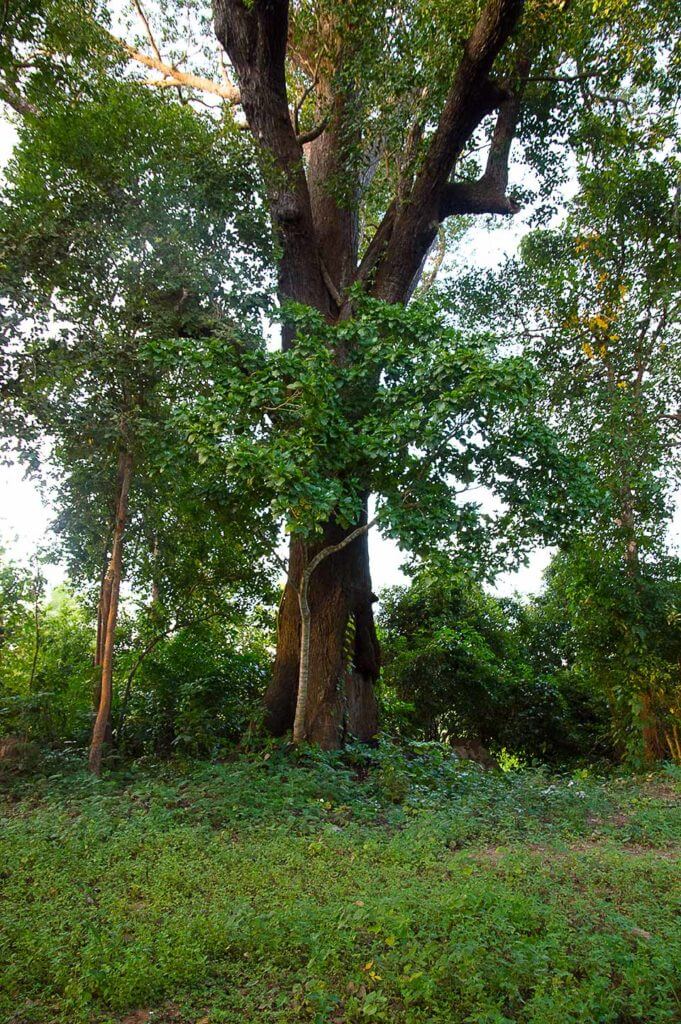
x=317 y=231
x=344 y=653
x=348 y=668
x=113 y=585
x=255 y=37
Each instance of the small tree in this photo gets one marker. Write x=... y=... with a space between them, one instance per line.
x=126 y=252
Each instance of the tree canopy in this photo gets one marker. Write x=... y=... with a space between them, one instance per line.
x=232 y=301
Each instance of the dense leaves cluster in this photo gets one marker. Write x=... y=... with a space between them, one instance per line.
x=396 y=403
x=462 y=665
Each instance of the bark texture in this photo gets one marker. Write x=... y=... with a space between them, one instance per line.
x=343 y=651
x=317 y=228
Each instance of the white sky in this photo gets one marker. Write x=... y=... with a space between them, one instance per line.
x=24 y=517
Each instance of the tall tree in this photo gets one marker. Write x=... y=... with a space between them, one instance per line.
x=113 y=267
x=374 y=128
x=326 y=186
x=596 y=304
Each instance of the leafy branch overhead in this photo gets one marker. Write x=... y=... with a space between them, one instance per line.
x=418 y=416
x=382 y=111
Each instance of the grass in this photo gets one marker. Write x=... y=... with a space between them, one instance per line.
x=328 y=889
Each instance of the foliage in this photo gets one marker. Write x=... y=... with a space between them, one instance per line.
x=463 y=664
x=122 y=253
x=284 y=889
x=16 y=626
x=412 y=413
x=128 y=254
x=198 y=692
x=46 y=675
x=136 y=265
x=595 y=304
x=190 y=685
x=626 y=639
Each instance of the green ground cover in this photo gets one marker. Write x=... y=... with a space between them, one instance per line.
x=328 y=889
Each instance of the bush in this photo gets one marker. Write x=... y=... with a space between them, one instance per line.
x=198 y=691
x=462 y=664
x=47 y=678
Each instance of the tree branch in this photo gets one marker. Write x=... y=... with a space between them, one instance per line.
x=17 y=102
x=147 y=29
x=488 y=194
x=173 y=75
x=333 y=548
x=328 y=281
x=255 y=37
x=472 y=96
x=299 y=103
x=440 y=251
x=304 y=137
x=581 y=77
x=474 y=197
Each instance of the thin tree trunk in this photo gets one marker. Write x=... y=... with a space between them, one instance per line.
x=304 y=673
x=36 y=646
x=102 y=615
x=653 y=737
x=651 y=730
x=103 y=719
x=103 y=608
x=154 y=642
x=673 y=739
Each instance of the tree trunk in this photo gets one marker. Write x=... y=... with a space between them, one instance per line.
x=112 y=586
x=317 y=233
x=343 y=649
x=299 y=721
x=653 y=735
x=36 y=646
x=103 y=611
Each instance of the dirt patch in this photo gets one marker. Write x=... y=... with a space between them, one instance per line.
x=666 y=792
x=619 y=820
x=168 y=1014
x=493 y=855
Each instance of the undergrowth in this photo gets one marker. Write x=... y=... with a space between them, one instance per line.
x=388 y=885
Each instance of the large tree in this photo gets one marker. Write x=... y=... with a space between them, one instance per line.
x=395 y=100
x=374 y=127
